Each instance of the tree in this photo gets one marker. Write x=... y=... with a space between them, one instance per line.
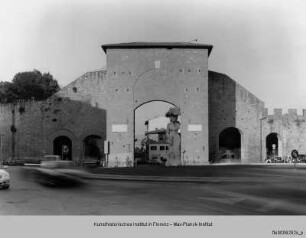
x=32 y=85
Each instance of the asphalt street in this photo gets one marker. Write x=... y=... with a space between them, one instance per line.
x=236 y=191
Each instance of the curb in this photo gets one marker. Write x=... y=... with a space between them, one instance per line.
x=137 y=178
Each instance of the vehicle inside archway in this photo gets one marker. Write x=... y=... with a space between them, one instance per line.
x=229 y=146
x=272 y=149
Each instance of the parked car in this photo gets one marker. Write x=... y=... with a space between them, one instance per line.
x=37 y=161
x=4 y=177
x=274 y=159
x=228 y=157
x=154 y=160
x=302 y=158
x=51 y=157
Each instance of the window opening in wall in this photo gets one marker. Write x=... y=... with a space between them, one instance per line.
x=153 y=147
x=21 y=110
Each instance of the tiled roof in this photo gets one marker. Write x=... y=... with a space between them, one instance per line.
x=169 y=45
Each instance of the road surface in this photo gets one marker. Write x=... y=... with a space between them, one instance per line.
x=278 y=192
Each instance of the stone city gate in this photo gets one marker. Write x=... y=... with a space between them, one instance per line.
x=138 y=73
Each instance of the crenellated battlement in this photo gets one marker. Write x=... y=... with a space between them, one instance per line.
x=278 y=112
x=96 y=74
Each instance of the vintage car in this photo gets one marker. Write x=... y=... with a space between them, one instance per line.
x=274 y=159
x=4 y=177
x=38 y=161
x=302 y=158
x=228 y=157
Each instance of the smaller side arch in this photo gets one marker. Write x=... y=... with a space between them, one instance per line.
x=66 y=133
x=273 y=142
x=92 y=144
x=230 y=145
x=89 y=132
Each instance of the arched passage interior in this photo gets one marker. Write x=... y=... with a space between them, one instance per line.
x=93 y=147
x=230 y=144
x=272 y=144
x=62 y=146
x=150 y=144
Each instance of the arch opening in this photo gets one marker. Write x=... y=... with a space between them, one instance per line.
x=62 y=146
x=151 y=143
x=272 y=145
x=230 y=145
x=93 y=148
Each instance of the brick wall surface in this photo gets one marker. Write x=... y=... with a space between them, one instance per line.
x=138 y=76
x=76 y=111
x=290 y=128
x=230 y=105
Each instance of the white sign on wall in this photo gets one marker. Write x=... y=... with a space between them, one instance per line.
x=119 y=128
x=157 y=64
x=195 y=127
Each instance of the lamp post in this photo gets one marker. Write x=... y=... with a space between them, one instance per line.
x=261 y=119
x=1 y=146
x=147 y=143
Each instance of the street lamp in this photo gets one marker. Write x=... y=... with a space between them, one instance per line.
x=261 y=119
x=147 y=143
x=1 y=146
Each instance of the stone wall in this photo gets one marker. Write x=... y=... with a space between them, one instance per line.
x=231 y=105
x=102 y=103
x=76 y=111
x=290 y=128
x=21 y=127
x=138 y=76
x=82 y=108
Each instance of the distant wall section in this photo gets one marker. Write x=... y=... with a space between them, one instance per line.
x=232 y=106
x=290 y=128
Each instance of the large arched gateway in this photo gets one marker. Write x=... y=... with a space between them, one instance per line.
x=142 y=72
x=152 y=143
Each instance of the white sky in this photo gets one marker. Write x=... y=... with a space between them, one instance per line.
x=259 y=43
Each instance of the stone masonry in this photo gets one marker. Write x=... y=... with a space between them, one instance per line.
x=102 y=104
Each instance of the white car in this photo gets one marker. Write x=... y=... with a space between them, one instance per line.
x=4 y=177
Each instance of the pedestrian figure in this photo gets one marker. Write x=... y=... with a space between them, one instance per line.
x=173 y=138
